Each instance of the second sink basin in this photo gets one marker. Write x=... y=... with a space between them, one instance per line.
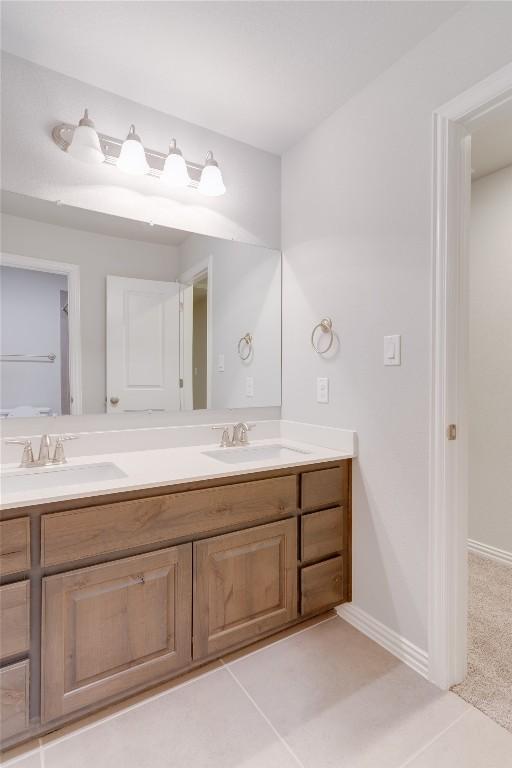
x=244 y=453
x=33 y=479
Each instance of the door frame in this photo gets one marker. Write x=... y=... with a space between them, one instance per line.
x=448 y=474
x=189 y=277
x=72 y=272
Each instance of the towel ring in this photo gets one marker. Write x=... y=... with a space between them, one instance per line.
x=325 y=326
x=247 y=340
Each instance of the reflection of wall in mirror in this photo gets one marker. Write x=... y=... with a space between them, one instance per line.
x=246 y=298
x=31 y=325
x=97 y=255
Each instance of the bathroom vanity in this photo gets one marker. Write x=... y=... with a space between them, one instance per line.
x=107 y=595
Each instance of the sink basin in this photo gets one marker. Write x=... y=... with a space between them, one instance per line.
x=33 y=479
x=240 y=454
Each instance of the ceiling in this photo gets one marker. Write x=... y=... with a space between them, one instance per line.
x=88 y=221
x=264 y=73
x=491 y=141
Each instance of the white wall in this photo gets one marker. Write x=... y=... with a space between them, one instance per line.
x=490 y=361
x=97 y=256
x=245 y=291
x=34 y=99
x=31 y=326
x=357 y=244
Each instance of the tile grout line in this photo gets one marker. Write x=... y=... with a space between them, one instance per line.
x=433 y=740
x=281 y=640
x=129 y=708
x=264 y=716
x=42 y=747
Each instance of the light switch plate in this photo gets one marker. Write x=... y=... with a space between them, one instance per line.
x=392 y=350
x=249 y=386
x=220 y=363
x=322 y=390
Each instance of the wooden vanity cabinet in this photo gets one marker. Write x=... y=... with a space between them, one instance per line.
x=117 y=593
x=112 y=627
x=245 y=584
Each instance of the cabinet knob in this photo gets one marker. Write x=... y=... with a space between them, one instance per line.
x=114 y=400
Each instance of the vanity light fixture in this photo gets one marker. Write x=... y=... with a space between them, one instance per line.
x=175 y=171
x=132 y=158
x=85 y=144
x=211 y=183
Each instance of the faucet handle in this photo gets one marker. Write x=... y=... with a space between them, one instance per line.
x=243 y=432
x=59 y=456
x=225 y=440
x=27 y=458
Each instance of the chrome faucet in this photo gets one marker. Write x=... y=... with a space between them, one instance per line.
x=44 y=450
x=27 y=459
x=239 y=437
x=240 y=433
x=45 y=456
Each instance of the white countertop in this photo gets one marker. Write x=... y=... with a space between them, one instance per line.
x=165 y=466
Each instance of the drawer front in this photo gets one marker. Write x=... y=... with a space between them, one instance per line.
x=110 y=628
x=322 y=585
x=14 y=546
x=14 y=619
x=322 y=533
x=70 y=536
x=14 y=683
x=325 y=488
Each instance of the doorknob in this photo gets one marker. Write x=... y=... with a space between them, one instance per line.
x=114 y=400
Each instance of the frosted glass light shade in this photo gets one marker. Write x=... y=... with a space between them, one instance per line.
x=211 y=182
x=132 y=158
x=85 y=144
x=175 y=172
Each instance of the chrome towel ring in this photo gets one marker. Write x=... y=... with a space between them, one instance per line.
x=325 y=326
x=245 y=347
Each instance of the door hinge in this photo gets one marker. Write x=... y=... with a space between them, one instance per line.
x=181 y=383
x=451 y=432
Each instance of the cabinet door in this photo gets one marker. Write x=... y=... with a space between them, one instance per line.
x=245 y=583
x=113 y=627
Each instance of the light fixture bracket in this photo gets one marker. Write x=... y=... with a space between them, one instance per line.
x=111 y=148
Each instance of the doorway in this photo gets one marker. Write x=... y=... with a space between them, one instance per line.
x=449 y=431
x=40 y=340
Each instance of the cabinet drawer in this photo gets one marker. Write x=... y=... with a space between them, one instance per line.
x=14 y=545
x=322 y=585
x=14 y=683
x=113 y=627
x=69 y=536
x=14 y=619
x=245 y=584
x=325 y=488
x=322 y=533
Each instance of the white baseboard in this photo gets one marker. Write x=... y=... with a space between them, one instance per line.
x=484 y=549
x=399 y=646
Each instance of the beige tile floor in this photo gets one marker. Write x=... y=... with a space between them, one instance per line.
x=323 y=697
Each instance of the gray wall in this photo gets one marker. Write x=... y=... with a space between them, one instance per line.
x=357 y=232
x=490 y=361
x=246 y=297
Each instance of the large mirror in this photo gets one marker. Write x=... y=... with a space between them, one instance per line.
x=103 y=314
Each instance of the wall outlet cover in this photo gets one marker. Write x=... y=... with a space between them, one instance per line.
x=322 y=390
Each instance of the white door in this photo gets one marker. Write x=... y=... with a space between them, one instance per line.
x=142 y=345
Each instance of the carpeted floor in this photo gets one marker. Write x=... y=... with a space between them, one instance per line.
x=488 y=685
